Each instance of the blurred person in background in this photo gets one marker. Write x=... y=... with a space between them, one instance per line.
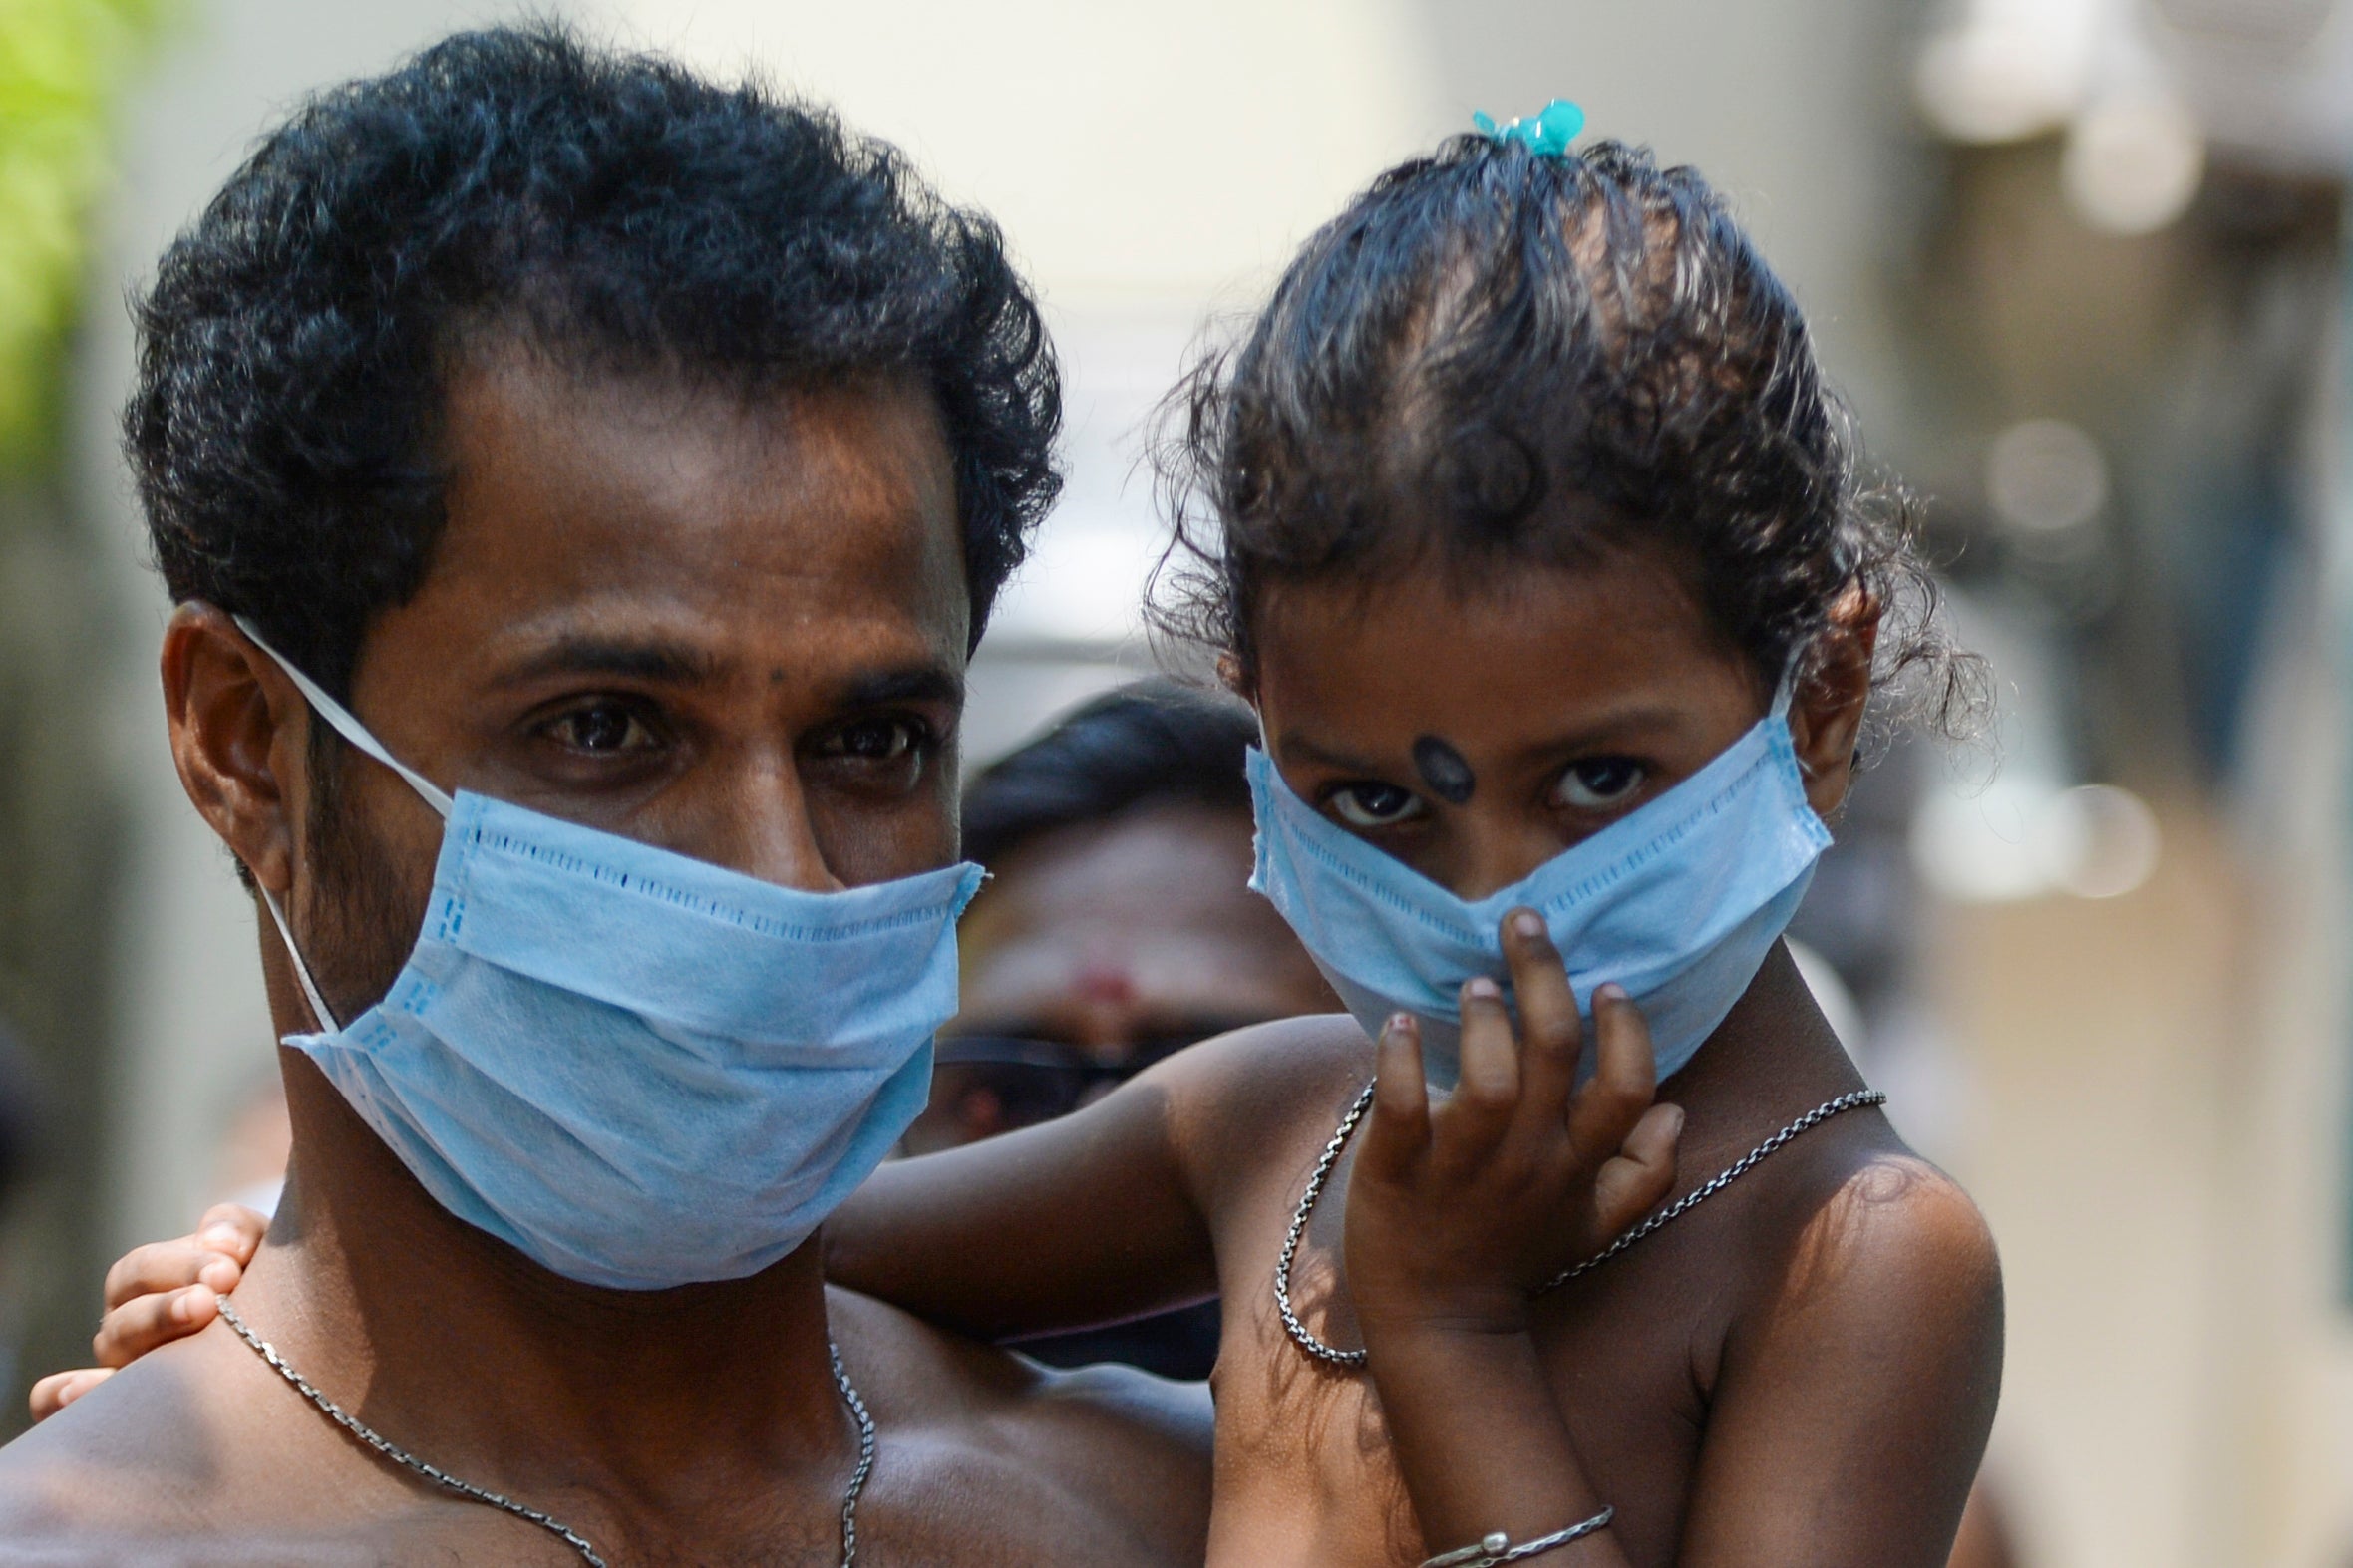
x=1116 y=928
x=1117 y=925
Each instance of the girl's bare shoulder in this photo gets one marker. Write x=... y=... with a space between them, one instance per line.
x=1242 y=1099
x=1865 y=1238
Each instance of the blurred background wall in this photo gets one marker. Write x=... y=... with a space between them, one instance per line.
x=2079 y=265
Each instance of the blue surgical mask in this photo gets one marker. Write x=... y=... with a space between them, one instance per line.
x=636 y=1068
x=1678 y=901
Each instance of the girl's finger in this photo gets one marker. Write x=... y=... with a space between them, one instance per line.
x=1625 y=1076
x=1400 y=1128
x=1478 y=1113
x=137 y=1327
x=233 y=1229
x=61 y=1388
x=162 y=1266
x=1639 y=1177
x=1550 y=1031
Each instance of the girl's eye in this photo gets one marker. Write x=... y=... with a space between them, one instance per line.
x=879 y=741
x=1374 y=804
x=605 y=729
x=1598 y=783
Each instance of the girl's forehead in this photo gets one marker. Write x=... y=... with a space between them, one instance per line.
x=1528 y=647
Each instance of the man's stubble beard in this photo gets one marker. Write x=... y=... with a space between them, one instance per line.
x=361 y=918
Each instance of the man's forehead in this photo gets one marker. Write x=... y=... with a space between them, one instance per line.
x=670 y=521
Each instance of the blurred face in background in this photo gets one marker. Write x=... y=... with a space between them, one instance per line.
x=1097 y=949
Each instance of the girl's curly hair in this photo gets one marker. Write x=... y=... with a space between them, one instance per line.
x=1497 y=355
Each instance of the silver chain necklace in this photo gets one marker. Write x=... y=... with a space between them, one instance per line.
x=554 y=1526
x=1332 y=1354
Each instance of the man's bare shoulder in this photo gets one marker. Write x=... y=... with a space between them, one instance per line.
x=131 y=1452
x=159 y=1463
x=1103 y=1451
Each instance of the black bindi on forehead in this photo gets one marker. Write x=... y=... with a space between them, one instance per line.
x=1442 y=768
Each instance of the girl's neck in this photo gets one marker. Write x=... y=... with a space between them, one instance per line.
x=1772 y=1059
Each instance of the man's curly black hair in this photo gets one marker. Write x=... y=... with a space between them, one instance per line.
x=621 y=214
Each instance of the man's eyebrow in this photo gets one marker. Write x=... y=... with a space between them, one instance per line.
x=920 y=683
x=662 y=663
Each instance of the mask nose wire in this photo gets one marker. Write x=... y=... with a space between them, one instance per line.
x=357 y=734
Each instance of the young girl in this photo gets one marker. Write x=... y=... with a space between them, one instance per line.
x=1540 y=545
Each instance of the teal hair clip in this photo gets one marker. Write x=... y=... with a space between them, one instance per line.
x=1547 y=134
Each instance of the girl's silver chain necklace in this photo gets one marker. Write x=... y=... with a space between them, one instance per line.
x=1333 y=1355
x=554 y=1526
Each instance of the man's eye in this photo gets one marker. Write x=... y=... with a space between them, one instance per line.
x=606 y=730
x=1374 y=804
x=878 y=739
x=1598 y=783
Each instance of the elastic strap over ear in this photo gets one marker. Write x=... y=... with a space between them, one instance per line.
x=320 y=1014
x=1786 y=692
x=346 y=725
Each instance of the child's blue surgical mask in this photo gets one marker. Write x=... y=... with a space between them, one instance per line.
x=637 y=1069
x=1678 y=901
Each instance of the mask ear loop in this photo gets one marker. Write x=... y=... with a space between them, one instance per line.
x=346 y=725
x=320 y=1014
x=1783 y=697
x=357 y=734
x=1786 y=692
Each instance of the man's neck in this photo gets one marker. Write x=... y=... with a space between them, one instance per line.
x=469 y=1355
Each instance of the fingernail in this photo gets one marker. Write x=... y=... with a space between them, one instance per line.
x=220 y=1273
x=1399 y=1023
x=1484 y=990
x=1528 y=925
x=220 y=1238
x=1610 y=992
x=181 y=1309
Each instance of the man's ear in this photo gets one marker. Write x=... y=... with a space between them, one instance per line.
x=239 y=736
x=1826 y=713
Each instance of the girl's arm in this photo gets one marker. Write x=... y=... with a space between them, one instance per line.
x=1088 y=1219
x=1851 y=1408
x=1851 y=1412
x=1457 y=1213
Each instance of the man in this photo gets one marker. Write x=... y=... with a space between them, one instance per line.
x=1118 y=926
x=634 y=462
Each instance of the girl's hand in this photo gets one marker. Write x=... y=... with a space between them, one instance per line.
x=159 y=1293
x=1457 y=1213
